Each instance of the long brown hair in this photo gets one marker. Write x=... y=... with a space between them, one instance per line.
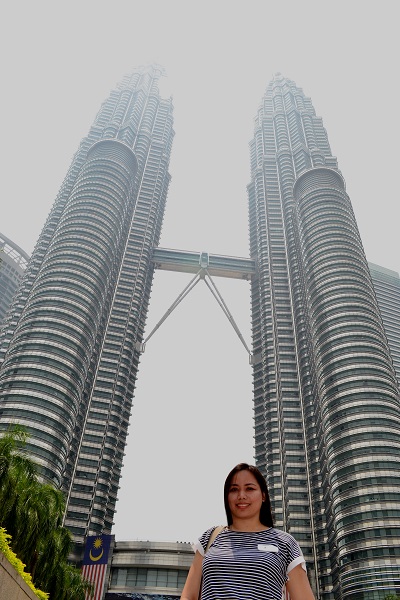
x=265 y=511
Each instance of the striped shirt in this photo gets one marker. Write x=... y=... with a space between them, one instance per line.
x=243 y=565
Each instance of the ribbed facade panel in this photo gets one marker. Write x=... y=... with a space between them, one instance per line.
x=327 y=410
x=13 y=261
x=387 y=289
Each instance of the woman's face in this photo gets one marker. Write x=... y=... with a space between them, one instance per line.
x=245 y=496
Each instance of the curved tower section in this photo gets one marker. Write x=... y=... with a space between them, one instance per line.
x=48 y=358
x=356 y=398
x=68 y=347
x=327 y=410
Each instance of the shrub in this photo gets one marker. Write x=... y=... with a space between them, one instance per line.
x=18 y=564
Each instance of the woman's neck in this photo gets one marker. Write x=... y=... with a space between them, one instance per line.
x=250 y=526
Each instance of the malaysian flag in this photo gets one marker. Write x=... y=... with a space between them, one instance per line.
x=95 y=561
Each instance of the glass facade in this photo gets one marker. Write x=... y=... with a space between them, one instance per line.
x=387 y=289
x=68 y=351
x=327 y=409
x=13 y=261
x=142 y=577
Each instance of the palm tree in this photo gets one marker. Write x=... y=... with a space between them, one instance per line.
x=68 y=584
x=62 y=580
x=34 y=511
x=14 y=465
x=32 y=514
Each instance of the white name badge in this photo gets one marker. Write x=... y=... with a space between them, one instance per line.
x=268 y=548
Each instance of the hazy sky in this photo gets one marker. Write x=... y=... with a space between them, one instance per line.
x=192 y=415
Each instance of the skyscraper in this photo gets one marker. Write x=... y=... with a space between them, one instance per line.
x=13 y=261
x=327 y=409
x=69 y=357
x=387 y=289
x=326 y=398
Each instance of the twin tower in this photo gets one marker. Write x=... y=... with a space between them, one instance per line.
x=326 y=398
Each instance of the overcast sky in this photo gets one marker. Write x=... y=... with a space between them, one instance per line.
x=192 y=415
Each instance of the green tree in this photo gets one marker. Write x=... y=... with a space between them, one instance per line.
x=32 y=514
x=14 y=464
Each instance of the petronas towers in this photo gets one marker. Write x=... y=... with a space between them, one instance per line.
x=326 y=397
x=69 y=360
x=327 y=418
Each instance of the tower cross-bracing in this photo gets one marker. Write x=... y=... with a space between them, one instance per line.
x=205 y=267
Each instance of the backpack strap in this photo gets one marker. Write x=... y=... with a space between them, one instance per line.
x=217 y=530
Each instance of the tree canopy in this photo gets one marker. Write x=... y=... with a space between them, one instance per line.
x=32 y=513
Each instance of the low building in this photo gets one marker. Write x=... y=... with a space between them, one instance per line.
x=148 y=570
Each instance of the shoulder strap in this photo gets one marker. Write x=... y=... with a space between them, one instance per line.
x=213 y=535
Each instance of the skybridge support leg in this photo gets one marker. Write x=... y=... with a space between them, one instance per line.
x=202 y=274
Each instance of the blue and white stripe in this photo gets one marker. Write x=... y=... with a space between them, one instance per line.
x=247 y=565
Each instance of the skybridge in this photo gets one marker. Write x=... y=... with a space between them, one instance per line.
x=191 y=262
x=204 y=266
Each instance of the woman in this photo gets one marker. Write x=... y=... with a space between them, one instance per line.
x=249 y=559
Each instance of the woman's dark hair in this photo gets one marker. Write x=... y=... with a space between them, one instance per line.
x=265 y=511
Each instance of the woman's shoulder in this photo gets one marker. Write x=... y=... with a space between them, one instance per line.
x=208 y=533
x=284 y=536
x=202 y=542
